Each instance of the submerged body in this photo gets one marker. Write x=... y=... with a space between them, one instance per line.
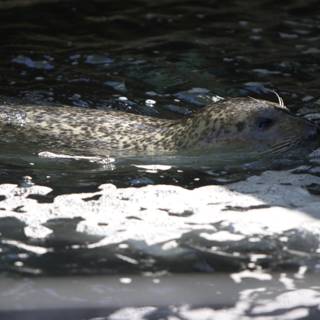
x=243 y=126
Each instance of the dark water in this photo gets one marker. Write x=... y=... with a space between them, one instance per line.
x=178 y=54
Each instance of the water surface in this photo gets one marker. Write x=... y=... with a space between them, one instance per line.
x=163 y=59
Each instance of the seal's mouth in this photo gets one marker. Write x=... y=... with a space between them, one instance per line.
x=293 y=148
x=307 y=139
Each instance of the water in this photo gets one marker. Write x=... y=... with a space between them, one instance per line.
x=175 y=55
x=164 y=59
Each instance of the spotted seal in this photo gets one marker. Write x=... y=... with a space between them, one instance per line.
x=244 y=126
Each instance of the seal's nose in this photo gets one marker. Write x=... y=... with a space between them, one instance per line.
x=313 y=132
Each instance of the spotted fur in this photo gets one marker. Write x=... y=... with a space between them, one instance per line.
x=225 y=124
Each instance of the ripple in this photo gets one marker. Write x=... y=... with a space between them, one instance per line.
x=33 y=64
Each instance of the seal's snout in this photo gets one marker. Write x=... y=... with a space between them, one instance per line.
x=312 y=132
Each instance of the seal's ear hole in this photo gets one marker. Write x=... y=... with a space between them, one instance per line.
x=265 y=123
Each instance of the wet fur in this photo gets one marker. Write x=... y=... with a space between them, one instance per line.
x=225 y=124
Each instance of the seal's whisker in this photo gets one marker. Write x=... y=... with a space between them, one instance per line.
x=282 y=146
x=279 y=149
x=280 y=100
x=286 y=146
x=282 y=143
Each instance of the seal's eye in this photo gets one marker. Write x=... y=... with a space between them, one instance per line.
x=265 y=123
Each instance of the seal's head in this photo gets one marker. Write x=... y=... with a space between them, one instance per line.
x=249 y=126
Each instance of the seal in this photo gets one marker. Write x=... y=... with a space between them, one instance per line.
x=242 y=126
